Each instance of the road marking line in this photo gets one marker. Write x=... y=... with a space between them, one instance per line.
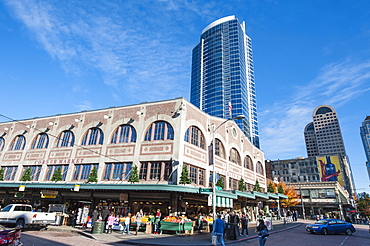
x=344 y=240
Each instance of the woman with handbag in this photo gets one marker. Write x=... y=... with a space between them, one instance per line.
x=262 y=232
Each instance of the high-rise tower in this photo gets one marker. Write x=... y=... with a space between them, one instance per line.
x=323 y=137
x=365 y=135
x=222 y=74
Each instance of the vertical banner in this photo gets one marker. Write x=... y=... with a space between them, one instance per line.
x=329 y=169
x=210 y=154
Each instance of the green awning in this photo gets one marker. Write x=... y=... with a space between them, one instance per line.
x=120 y=187
x=244 y=194
x=282 y=196
x=273 y=195
x=261 y=195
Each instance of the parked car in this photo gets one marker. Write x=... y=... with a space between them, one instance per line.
x=327 y=226
x=22 y=215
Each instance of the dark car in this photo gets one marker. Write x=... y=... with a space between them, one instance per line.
x=327 y=226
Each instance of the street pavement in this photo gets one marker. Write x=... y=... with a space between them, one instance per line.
x=197 y=239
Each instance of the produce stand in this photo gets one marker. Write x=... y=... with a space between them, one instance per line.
x=171 y=226
x=189 y=227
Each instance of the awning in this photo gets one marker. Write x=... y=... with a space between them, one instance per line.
x=273 y=195
x=120 y=187
x=261 y=195
x=282 y=196
x=245 y=194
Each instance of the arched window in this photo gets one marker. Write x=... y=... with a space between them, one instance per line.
x=18 y=143
x=93 y=136
x=248 y=163
x=65 y=139
x=195 y=136
x=259 y=168
x=41 y=141
x=234 y=156
x=2 y=143
x=159 y=130
x=219 y=150
x=124 y=134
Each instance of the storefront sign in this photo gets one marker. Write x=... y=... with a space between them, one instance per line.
x=22 y=187
x=49 y=193
x=77 y=187
x=123 y=196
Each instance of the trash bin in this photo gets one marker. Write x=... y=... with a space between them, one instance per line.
x=98 y=227
x=230 y=231
x=59 y=220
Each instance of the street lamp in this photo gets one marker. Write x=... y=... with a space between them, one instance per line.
x=239 y=117
x=303 y=212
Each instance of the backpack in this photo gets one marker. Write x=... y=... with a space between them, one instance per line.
x=265 y=233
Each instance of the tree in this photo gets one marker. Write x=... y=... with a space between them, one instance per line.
x=291 y=194
x=184 y=179
x=271 y=187
x=57 y=176
x=242 y=186
x=134 y=176
x=26 y=175
x=1 y=174
x=220 y=183
x=93 y=177
x=257 y=187
x=280 y=188
x=363 y=204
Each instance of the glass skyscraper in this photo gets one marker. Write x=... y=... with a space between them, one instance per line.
x=365 y=135
x=222 y=74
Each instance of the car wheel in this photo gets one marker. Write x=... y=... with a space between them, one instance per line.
x=20 y=223
x=324 y=231
x=348 y=232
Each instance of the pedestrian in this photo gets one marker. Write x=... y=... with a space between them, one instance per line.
x=138 y=217
x=295 y=216
x=74 y=218
x=105 y=214
x=127 y=222
x=111 y=219
x=157 y=220
x=94 y=217
x=200 y=222
x=244 y=221
x=289 y=213
x=262 y=232
x=218 y=229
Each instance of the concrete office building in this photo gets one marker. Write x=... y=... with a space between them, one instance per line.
x=323 y=137
x=365 y=136
x=223 y=75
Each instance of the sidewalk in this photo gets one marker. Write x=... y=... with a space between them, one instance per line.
x=196 y=239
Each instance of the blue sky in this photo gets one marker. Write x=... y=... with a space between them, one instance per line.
x=61 y=57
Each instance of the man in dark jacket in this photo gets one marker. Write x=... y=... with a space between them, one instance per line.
x=218 y=229
x=105 y=214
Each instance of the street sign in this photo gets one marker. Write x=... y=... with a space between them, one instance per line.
x=205 y=189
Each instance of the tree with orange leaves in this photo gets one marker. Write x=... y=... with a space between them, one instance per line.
x=291 y=194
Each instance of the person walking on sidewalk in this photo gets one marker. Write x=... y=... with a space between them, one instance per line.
x=262 y=232
x=126 y=228
x=218 y=229
x=157 y=220
x=110 y=220
x=244 y=222
x=138 y=217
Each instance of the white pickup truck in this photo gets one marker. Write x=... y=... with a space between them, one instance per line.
x=22 y=215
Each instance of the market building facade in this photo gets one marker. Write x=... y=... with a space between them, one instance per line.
x=159 y=138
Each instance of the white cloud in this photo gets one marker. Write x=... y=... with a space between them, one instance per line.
x=284 y=122
x=112 y=40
